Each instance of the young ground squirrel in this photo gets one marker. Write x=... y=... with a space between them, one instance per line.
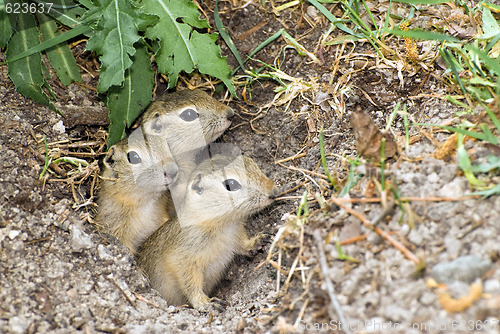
x=133 y=200
x=137 y=171
x=185 y=258
x=188 y=120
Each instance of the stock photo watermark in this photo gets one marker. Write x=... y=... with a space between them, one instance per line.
x=389 y=326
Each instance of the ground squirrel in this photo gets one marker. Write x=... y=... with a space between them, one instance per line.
x=137 y=171
x=133 y=200
x=188 y=120
x=185 y=258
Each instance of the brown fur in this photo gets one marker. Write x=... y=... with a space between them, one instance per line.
x=132 y=195
x=186 y=257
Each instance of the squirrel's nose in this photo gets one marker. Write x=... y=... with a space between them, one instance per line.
x=170 y=173
x=274 y=193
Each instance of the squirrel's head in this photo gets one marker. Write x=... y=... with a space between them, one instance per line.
x=145 y=160
x=188 y=119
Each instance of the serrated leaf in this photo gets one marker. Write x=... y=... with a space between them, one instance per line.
x=126 y=103
x=114 y=39
x=181 y=47
x=60 y=56
x=210 y=60
x=26 y=73
x=5 y=26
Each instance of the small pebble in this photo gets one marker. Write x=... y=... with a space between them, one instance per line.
x=79 y=239
x=465 y=269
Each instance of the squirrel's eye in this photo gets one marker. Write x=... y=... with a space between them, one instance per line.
x=231 y=185
x=133 y=158
x=189 y=115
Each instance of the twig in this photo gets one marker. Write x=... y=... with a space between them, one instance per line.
x=329 y=285
x=387 y=211
x=380 y=232
x=54 y=167
x=121 y=290
x=293 y=157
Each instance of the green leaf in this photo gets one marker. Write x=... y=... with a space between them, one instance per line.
x=493 y=163
x=5 y=26
x=181 y=47
x=115 y=35
x=126 y=103
x=26 y=73
x=226 y=37
x=490 y=25
x=60 y=56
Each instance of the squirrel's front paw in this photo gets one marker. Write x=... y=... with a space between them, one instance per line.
x=214 y=304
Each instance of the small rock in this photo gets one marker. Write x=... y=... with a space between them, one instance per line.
x=242 y=324
x=491 y=286
x=13 y=234
x=415 y=238
x=104 y=254
x=455 y=188
x=59 y=127
x=18 y=324
x=465 y=269
x=79 y=239
x=453 y=246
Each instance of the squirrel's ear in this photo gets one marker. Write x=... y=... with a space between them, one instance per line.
x=196 y=185
x=157 y=123
x=109 y=160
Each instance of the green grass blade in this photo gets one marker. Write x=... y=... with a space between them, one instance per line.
x=226 y=37
x=338 y=23
x=491 y=63
x=425 y=35
x=60 y=56
x=260 y=47
x=323 y=158
x=493 y=118
x=371 y=16
x=449 y=59
x=303 y=209
x=387 y=17
x=422 y=2
x=478 y=135
x=489 y=192
x=50 y=43
x=352 y=180
x=465 y=164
